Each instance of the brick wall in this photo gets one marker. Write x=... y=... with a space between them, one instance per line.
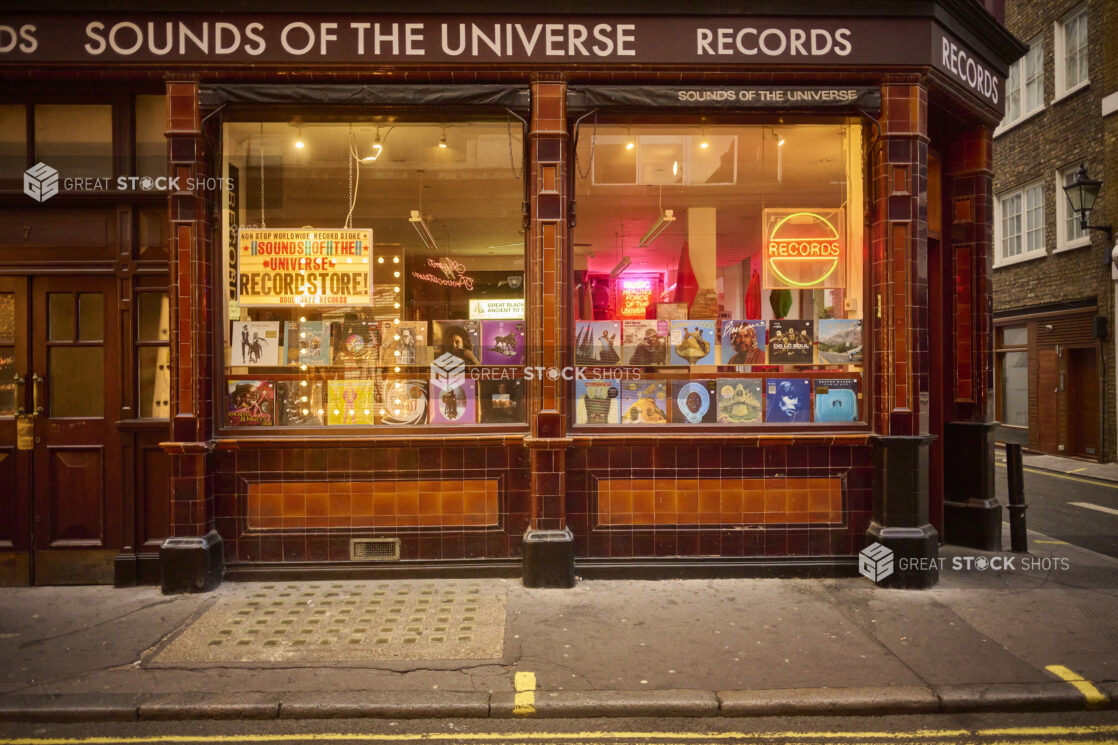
x=1068 y=131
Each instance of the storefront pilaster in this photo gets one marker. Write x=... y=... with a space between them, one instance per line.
x=971 y=514
x=548 y=545
x=191 y=559
x=899 y=253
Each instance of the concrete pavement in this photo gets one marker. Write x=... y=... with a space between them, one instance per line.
x=1000 y=638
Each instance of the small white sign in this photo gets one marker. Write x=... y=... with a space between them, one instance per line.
x=513 y=308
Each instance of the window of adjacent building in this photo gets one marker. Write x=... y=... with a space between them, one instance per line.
x=1071 y=52
x=1068 y=232
x=374 y=274
x=1019 y=224
x=153 y=354
x=1024 y=89
x=13 y=145
x=75 y=140
x=1013 y=376
x=151 y=144
x=718 y=275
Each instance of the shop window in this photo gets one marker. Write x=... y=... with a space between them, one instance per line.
x=374 y=274
x=1024 y=89
x=1068 y=232
x=13 y=145
x=718 y=276
x=75 y=140
x=1013 y=376
x=1071 y=52
x=151 y=144
x=153 y=354
x=1019 y=225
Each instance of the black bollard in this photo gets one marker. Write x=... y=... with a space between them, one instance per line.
x=1019 y=540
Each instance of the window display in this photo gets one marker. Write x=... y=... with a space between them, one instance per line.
x=718 y=275
x=361 y=260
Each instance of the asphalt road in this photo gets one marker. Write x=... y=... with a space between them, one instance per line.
x=1050 y=498
x=1004 y=729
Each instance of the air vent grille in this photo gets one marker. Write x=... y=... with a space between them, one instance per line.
x=374 y=549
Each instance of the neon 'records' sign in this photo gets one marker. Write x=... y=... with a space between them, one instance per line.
x=804 y=248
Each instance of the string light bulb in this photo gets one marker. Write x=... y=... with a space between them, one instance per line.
x=629 y=144
x=442 y=140
x=778 y=138
x=299 y=144
x=703 y=144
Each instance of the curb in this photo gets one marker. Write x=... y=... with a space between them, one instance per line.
x=1057 y=472
x=948 y=699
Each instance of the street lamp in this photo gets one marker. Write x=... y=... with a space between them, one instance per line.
x=1082 y=194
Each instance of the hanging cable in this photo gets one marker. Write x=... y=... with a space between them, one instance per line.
x=263 y=222
x=512 y=160
x=354 y=181
x=593 y=142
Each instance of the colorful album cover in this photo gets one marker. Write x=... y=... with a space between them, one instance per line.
x=355 y=343
x=743 y=342
x=300 y=403
x=740 y=400
x=501 y=401
x=404 y=402
x=840 y=341
x=460 y=338
x=836 y=399
x=308 y=343
x=597 y=342
x=404 y=343
x=645 y=342
x=694 y=401
x=350 y=402
x=644 y=402
x=255 y=343
x=251 y=403
x=597 y=402
x=791 y=342
x=787 y=400
x=457 y=405
x=502 y=342
x=693 y=342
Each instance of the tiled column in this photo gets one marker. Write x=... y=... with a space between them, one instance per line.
x=971 y=513
x=900 y=301
x=191 y=559
x=548 y=545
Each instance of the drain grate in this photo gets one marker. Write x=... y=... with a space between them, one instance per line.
x=374 y=549
x=347 y=622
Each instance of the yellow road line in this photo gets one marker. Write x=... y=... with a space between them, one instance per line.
x=524 y=702
x=1095 y=697
x=944 y=735
x=1042 y=472
x=1061 y=543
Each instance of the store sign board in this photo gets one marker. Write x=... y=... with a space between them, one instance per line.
x=729 y=97
x=484 y=308
x=964 y=67
x=804 y=248
x=286 y=267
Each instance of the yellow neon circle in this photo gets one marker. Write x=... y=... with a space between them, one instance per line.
x=835 y=260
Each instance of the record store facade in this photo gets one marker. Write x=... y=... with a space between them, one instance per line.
x=389 y=294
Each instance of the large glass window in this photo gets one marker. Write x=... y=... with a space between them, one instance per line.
x=13 y=144
x=718 y=275
x=374 y=273
x=1071 y=51
x=75 y=140
x=1013 y=376
x=1024 y=89
x=1019 y=224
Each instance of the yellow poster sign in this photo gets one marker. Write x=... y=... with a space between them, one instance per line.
x=282 y=267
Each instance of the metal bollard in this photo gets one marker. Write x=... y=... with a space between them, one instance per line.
x=1018 y=537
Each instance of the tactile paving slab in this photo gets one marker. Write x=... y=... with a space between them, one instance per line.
x=346 y=622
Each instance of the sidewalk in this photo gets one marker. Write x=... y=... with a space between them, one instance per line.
x=982 y=640
x=1070 y=466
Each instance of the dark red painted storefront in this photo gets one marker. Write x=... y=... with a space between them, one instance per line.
x=926 y=378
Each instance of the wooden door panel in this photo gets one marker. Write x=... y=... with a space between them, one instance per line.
x=8 y=497
x=1048 y=409
x=77 y=514
x=15 y=465
x=1083 y=402
x=155 y=498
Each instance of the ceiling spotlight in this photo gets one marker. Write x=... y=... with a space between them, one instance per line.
x=778 y=138
x=299 y=144
x=629 y=144
x=442 y=140
x=703 y=144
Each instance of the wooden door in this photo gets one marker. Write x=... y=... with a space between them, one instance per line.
x=1083 y=403
x=15 y=463
x=76 y=504
x=1048 y=401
